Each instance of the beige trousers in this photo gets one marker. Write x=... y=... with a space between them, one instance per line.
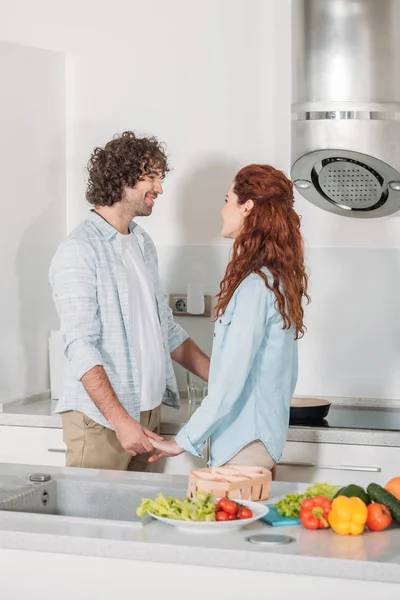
x=92 y=446
x=254 y=454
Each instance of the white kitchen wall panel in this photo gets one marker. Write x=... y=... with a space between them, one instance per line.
x=32 y=176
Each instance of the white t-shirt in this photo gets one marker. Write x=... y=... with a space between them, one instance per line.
x=145 y=330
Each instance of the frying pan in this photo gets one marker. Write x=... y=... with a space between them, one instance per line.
x=308 y=410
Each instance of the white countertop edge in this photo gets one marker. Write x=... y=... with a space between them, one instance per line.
x=358 y=437
x=202 y=556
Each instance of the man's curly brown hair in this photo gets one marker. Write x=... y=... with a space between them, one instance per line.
x=123 y=161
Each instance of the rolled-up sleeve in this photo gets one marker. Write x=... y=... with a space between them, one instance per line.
x=73 y=280
x=176 y=334
x=242 y=342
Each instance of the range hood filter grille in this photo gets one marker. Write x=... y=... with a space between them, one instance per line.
x=348 y=183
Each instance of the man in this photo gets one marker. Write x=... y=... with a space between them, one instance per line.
x=118 y=329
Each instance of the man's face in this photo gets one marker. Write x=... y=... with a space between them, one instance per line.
x=142 y=197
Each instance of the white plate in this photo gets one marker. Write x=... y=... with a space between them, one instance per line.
x=258 y=510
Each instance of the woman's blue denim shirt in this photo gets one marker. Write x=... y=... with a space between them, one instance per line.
x=253 y=375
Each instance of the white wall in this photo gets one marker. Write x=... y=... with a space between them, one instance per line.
x=212 y=79
x=32 y=197
x=188 y=72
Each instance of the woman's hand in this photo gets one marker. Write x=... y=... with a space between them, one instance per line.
x=166 y=449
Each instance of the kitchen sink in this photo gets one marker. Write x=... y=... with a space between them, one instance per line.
x=86 y=499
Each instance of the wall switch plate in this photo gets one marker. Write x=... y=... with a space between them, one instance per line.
x=178 y=303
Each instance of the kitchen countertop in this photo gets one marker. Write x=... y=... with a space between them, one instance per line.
x=38 y=411
x=369 y=557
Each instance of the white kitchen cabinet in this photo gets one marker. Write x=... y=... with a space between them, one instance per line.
x=338 y=463
x=32 y=446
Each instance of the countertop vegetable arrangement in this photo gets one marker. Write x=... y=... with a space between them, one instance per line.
x=200 y=508
x=348 y=510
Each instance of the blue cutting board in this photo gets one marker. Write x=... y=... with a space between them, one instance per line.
x=274 y=519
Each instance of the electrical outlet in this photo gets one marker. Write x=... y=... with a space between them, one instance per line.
x=179 y=305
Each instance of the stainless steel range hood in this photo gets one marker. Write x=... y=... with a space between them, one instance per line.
x=346 y=105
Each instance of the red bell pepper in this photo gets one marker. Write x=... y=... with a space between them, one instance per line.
x=314 y=512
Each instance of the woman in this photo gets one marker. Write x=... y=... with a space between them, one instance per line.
x=259 y=317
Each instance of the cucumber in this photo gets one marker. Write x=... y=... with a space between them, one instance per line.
x=352 y=491
x=378 y=494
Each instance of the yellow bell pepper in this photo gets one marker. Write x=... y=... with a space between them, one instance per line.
x=348 y=515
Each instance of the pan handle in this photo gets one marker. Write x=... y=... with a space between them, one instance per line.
x=332 y=467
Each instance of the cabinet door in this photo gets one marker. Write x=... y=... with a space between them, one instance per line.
x=32 y=446
x=338 y=463
x=179 y=465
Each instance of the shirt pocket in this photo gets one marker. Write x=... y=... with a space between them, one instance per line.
x=222 y=325
x=225 y=319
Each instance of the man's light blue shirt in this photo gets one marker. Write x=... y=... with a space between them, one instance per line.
x=90 y=290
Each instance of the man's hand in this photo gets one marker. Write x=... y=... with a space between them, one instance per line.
x=134 y=438
x=166 y=449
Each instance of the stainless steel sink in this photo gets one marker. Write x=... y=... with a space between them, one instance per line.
x=82 y=498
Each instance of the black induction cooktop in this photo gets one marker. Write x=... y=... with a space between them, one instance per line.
x=341 y=417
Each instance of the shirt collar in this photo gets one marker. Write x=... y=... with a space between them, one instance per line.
x=107 y=230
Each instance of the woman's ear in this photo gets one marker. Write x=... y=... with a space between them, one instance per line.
x=248 y=206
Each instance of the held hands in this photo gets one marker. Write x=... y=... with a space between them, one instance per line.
x=134 y=438
x=166 y=449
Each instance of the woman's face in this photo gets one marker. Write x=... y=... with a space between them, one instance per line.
x=233 y=214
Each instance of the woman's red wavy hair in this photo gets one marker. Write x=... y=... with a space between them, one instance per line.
x=269 y=237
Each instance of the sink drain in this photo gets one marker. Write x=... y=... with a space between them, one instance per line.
x=39 y=477
x=270 y=540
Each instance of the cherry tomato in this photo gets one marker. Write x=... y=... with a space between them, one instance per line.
x=221 y=503
x=379 y=517
x=245 y=513
x=222 y=516
x=231 y=507
x=232 y=517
